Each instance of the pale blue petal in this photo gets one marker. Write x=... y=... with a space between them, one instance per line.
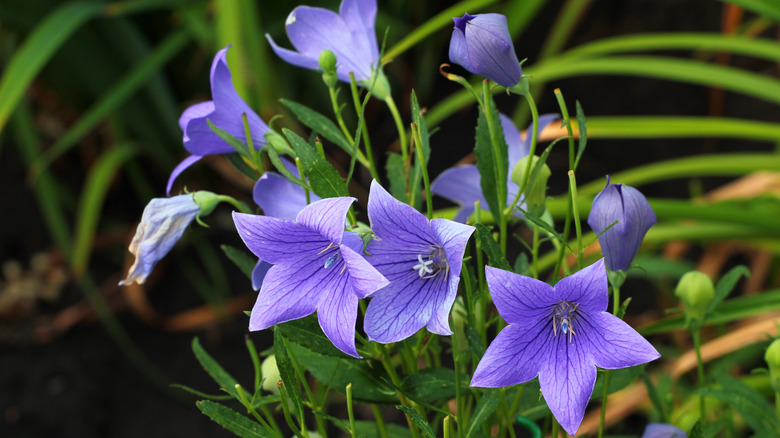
x=519 y=298
x=365 y=279
x=614 y=344
x=288 y=292
x=453 y=236
x=588 y=287
x=293 y=58
x=326 y=217
x=279 y=241
x=258 y=274
x=514 y=356
x=663 y=430
x=360 y=17
x=198 y=110
x=337 y=312
x=487 y=49
x=280 y=198
x=392 y=220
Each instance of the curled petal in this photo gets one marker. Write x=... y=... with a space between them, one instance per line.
x=482 y=45
x=181 y=167
x=279 y=197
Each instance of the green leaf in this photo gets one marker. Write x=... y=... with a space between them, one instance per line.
x=432 y=385
x=618 y=379
x=726 y=285
x=541 y=223
x=488 y=163
x=319 y=123
x=421 y=423
x=768 y=9
x=491 y=248
x=286 y=369
x=307 y=333
x=367 y=382
x=417 y=174
x=487 y=404
x=238 y=145
x=583 y=131
x=369 y=429
x=474 y=340
x=395 y=173
x=215 y=370
x=751 y=405
x=324 y=179
x=522 y=265
x=233 y=421
x=201 y=394
x=237 y=160
x=244 y=261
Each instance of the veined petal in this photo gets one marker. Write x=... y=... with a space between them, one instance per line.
x=360 y=16
x=279 y=241
x=588 y=287
x=614 y=344
x=258 y=274
x=517 y=297
x=515 y=356
x=365 y=279
x=326 y=217
x=279 y=197
x=288 y=292
x=453 y=236
x=392 y=220
x=293 y=58
x=181 y=167
x=482 y=45
x=566 y=377
x=337 y=312
x=442 y=305
x=198 y=110
x=516 y=149
x=460 y=184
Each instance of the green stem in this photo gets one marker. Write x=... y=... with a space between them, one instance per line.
x=380 y=421
x=302 y=176
x=576 y=214
x=499 y=161
x=399 y=125
x=555 y=428
x=366 y=138
x=244 y=399
x=534 y=137
x=535 y=252
x=458 y=392
x=423 y=166
x=567 y=122
x=615 y=300
x=699 y=368
x=603 y=417
x=350 y=412
x=243 y=208
x=387 y=363
x=255 y=362
x=334 y=101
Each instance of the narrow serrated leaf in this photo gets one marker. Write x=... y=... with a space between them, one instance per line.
x=474 y=340
x=233 y=421
x=536 y=220
x=491 y=248
x=319 y=123
x=307 y=333
x=486 y=406
x=238 y=145
x=421 y=423
x=395 y=173
x=214 y=369
x=417 y=174
x=488 y=163
x=726 y=285
x=244 y=261
x=324 y=179
x=286 y=369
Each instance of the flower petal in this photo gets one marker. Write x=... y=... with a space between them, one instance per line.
x=181 y=167
x=513 y=357
x=517 y=297
x=453 y=236
x=293 y=58
x=198 y=110
x=460 y=184
x=486 y=48
x=588 y=287
x=258 y=274
x=279 y=197
x=326 y=217
x=516 y=149
x=365 y=279
x=567 y=377
x=614 y=344
x=392 y=220
x=288 y=292
x=337 y=312
x=360 y=16
x=279 y=241
x=440 y=320
x=663 y=430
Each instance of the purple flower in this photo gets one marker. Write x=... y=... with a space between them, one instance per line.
x=279 y=198
x=224 y=111
x=460 y=184
x=422 y=259
x=663 y=430
x=162 y=224
x=560 y=334
x=317 y=267
x=618 y=202
x=349 y=35
x=481 y=44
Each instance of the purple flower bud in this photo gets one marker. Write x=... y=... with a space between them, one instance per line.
x=481 y=44
x=634 y=216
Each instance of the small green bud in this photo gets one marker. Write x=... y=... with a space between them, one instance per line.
x=696 y=291
x=327 y=64
x=207 y=201
x=536 y=192
x=772 y=358
x=378 y=85
x=279 y=143
x=522 y=88
x=271 y=376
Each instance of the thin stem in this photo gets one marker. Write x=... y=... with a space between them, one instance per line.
x=699 y=367
x=535 y=252
x=366 y=138
x=255 y=361
x=446 y=426
x=616 y=300
x=399 y=125
x=334 y=101
x=603 y=417
x=243 y=208
x=458 y=392
x=380 y=421
x=255 y=154
x=567 y=122
x=534 y=137
x=387 y=363
x=423 y=166
x=350 y=412
x=576 y=214
x=242 y=395
x=555 y=428
x=302 y=176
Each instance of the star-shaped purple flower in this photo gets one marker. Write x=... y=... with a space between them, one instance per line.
x=422 y=259
x=317 y=267
x=560 y=334
x=349 y=35
x=224 y=111
x=482 y=45
x=460 y=184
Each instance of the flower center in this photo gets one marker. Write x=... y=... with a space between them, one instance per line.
x=334 y=256
x=563 y=315
x=432 y=263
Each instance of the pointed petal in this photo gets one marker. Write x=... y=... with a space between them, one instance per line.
x=588 y=287
x=458 y=52
x=460 y=184
x=515 y=147
x=392 y=220
x=442 y=305
x=514 y=356
x=198 y=110
x=567 y=377
x=258 y=274
x=544 y=120
x=365 y=279
x=293 y=58
x=360 y=16
x=453 y=236
x=614 y=344
x=326 y=217
x=518 y=297
x=181 y=167
x=279 y=241
x=337 y=313
x=279 y=197
x=288 y=292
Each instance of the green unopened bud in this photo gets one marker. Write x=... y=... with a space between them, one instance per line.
x=696 y=291
x=378 y=85
x=522 y=88
x=327 y=64
x=278 y=143
x=207 y=201
x=772 y=358
x=536 y=193
x=271 y=376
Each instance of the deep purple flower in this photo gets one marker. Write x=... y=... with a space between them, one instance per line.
x=560 y=334
x=663 y=430
x=482 y=45
x=619 y=202
x=279 y=198
x=162 y=225
x=422 y=259
x=224 y=111
x=460 y=184
x=349 y=35
x=317 y=267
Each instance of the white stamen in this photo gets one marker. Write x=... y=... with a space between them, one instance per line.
x=422 y=267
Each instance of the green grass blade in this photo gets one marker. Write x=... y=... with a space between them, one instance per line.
x=681 y=127
x=230 y=30
x=38 y=48
x=769 y=9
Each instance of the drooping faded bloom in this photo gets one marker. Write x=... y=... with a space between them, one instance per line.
x=224 y=111
x=663 y=430
x=560 y=334
x=622 y=203
x=349 y=35
x=162 y=225
x=482 y=45
x=422 y=259
x=317 y=267
x=460 y=184
x=279 y=198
